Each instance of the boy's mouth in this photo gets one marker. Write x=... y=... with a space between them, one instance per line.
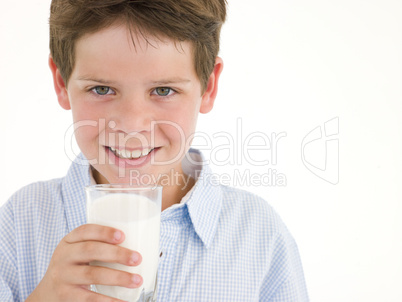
x=127 y=154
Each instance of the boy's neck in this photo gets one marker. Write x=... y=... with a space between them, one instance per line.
x=173 y=194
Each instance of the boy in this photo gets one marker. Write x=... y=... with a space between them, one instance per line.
x=135 y=75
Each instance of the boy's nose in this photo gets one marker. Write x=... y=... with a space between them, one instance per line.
x=132 y=115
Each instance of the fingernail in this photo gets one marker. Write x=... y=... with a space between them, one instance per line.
x=117 y=235
x=136 y=279
x=135 y=257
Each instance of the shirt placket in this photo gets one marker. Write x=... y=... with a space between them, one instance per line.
x=170 y=232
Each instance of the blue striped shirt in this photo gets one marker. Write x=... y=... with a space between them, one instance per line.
x=219 y=243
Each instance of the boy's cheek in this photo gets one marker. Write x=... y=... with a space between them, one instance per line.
x=175 y=134
x=87 y=137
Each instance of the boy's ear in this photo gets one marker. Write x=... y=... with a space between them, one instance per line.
x=210 y=93
x=59 y=85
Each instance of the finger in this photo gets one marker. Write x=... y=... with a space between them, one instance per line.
x=95 y=232
x=87 y=251
x=90 y=296
x=87 y=275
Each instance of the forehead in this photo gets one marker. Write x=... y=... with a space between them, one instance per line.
x=137 y=37
x=118 y=47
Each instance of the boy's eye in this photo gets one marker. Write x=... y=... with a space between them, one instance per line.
x=163 y=91
x=102 y=90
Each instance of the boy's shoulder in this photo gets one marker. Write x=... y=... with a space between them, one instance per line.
x=243 y=197
x=35 y=194
x=250 y=208
x=51 y=193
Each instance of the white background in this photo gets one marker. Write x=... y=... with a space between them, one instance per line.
x=290 y=66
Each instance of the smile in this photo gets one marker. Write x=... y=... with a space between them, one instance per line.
x=126 y=154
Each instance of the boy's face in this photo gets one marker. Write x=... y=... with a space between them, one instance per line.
x=134 y=107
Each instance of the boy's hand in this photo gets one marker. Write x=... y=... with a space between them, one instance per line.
x=69 y=274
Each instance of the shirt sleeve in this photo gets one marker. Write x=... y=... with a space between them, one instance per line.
x=8 y=269
x=6 y=294
x=284 y=281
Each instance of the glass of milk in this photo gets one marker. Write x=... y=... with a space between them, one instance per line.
x=135 y=211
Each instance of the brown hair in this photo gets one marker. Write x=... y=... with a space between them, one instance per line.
x=196 y=21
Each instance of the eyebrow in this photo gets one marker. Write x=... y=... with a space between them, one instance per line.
x=170 y=81
x=93 y=79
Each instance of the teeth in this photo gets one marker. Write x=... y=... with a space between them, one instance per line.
x=130 y=154
x=136 y=153
x=145 y=152
x=125 y=154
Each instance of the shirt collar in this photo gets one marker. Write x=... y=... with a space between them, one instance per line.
x=203 y=201
x=78 y=176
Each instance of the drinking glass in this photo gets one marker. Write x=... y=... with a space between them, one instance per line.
x=135 y=211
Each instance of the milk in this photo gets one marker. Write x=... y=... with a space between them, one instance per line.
x=139 y=218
